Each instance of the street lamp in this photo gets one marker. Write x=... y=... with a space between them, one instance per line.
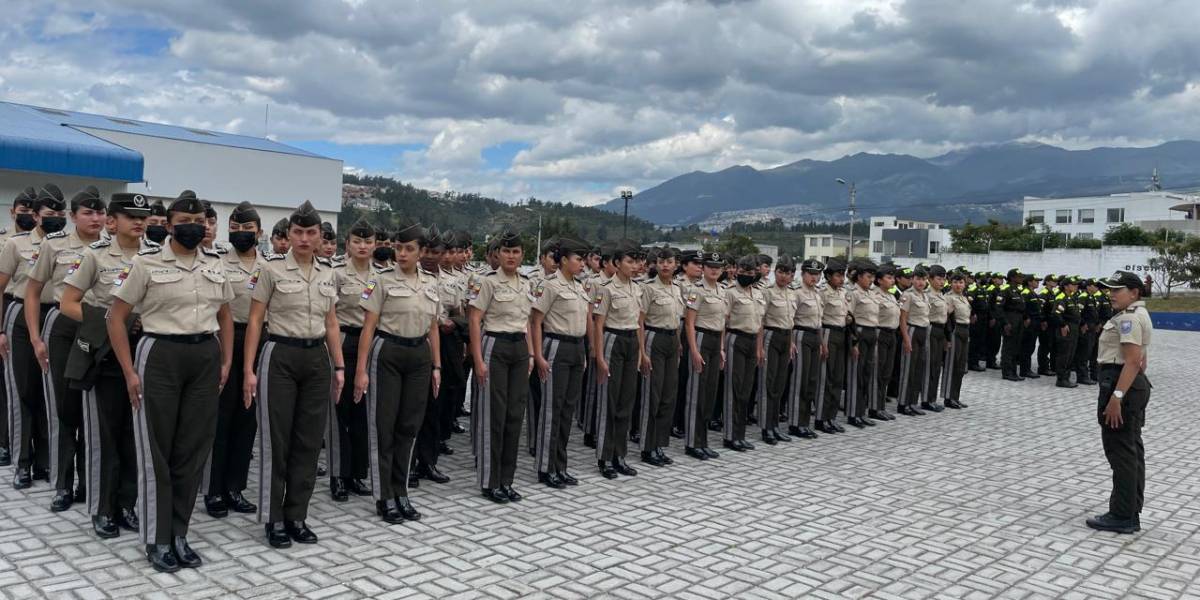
x=626 y=195
x=539 y=236
x=850 y=250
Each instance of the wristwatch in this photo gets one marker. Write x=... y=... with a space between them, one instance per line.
x=1118 y=394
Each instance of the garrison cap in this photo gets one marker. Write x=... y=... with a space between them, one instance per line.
x=280 y=229
x=812 y=265
x=244 y=212
x=689 y=256
x=920 y=271
x=712 y=259
x=305 y=215
x=50 y=197
x=508 y=239
x=864 y=265
x=957 y=275
x=1123 y=279
x=462 y=239
x=134 y=205
x=664 y=254
x=764 y=259
x=748 y=263
x=548 y=246
x=327 y=232
x=362 y=229
x=785 y=263
x=607 y=249
x=433 y=238
x=568 y=246
x=450 y=238
x=26 y=198
x=632 y=249
x=157 y=209
x=937 y=271
x=904 y=272
x=886 y=269
x=835 y=265
x=1050 y=277
x=187 y=202
x=209 y=211
x=1013 y=273
x=88 y=197
x=410 y=232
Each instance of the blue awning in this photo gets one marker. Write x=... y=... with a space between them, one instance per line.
x=34 y=139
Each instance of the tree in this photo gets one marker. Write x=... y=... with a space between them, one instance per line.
x=1177 y=262
x=733 y=245
x=1128 y=234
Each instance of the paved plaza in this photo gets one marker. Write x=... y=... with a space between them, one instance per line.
x=981 y=503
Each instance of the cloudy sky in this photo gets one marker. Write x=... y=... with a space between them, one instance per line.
x=570 y=99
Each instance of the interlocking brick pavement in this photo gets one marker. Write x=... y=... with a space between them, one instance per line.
x=983 y=503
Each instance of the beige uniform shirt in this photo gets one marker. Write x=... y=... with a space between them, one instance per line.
x=406 y=304
x=746 y=308
x=889 y=308
x=809 y=307
x=710 y=306
x=59 y=253
x=917 y=305
x=351 y=286
x=564 y=304
x=18 y=256
x=99 y=268
x=663 y=304
x=863 y=306
x=620 y=304
x=175 y=295
x=1130 y=326
x=781 y=307
x=961 y=308
x=296 y=302
x=938 y=306
x=239 y=276
x=835 y=307
x=504 y=301
x=452 y=291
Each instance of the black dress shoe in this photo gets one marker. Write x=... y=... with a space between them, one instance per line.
x=1030 y=375
x=432 y=473
x=277 y=536
x=951 y=403
x=677 y=433
x=80 y=494
x=710 y=452
x=414 y=480
x=238 y=503
x=105 y=527
x=697 y=453
x=62 y=501
x=1086 y=380
x=5 y=457
x=568 y=478
x=444 y=449
x=337 y=489
x=552 y=480
x=322 y=471
x=975 y=367
x=916 y=411
x=715 y=425
x=21 y=479
x=358 y=487
x=651 y=458
x=1012 y=377
x=993 y=365
x=834 y=424
x=406 y=509
x=215 y=507
x=1107 y=522
x=184 y=554
x=513 y=495
x=162 y=558
x=623 y=467
x=299 y=532
x=932 y=406
x=867 y=422
x=388 y=511
x=635 y=438
x=779 y=436
x=128 y=519
x=495 y=495
x=877 y=415
x=666 y=460
x=42 y=475
x=589 y=440
x=735 y=445
x=855 y=422
x=823 y=427
x=1045 y=372
x=768 y=438
x=805 y=433
x=1066 y=383
x=457 y=428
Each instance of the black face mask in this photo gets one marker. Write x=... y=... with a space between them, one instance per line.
x=26 y=221
x=53 y=224
x=384 y=254
x=156 y=233
x=189 y=235
x=243 y=240
x=746 y=280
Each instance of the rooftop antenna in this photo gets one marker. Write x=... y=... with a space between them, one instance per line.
x=1155 y=182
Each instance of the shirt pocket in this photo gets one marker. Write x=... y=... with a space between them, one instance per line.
x=65 y=258
x=235 y=276
x=166 y=277
x=352 y=289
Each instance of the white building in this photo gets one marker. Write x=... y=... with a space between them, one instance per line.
x=72 y=150
x=1090 y=217
x=824 y=246
x=892 y=238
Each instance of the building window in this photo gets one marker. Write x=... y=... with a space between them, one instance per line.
x=826 y=241
x=877 y=247
x=1062 y=216
x=1037 y=216
x=879 y=223
x=904 y=226
x=1087 y=215
x=1083 y=236
x=933 y=247
x=812 y=242
x=1116 y=215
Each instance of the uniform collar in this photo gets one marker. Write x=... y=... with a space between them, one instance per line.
x=169 y=255
x=291 y=264
x=115 y=249
x=1141 y=303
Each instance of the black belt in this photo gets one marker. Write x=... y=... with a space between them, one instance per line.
x=512 y=336
x=1111 y=367
x=805 y=329
x=239 y=326
x=351 y=330
x=833 y=327
x=739 y=332
x=776 y=329
x=620 y=332
x=570 y=339
x=412 y=342
x=187 y=338
x=45 y=306
x=708 y=331
x=296 y=342
x=661 y=330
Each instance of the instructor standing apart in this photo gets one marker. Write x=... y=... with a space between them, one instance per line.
x=1121 y=406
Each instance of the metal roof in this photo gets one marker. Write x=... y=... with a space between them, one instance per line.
x=29 y=142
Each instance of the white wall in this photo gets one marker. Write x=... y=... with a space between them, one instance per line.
x=1143 y=206
x=12 y=182
x=1060 y=261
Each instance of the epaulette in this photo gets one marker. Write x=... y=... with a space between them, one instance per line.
x=210 y=252
x=100 y=244
x=154 y=250
x=274 y=256
x=20 y=234
x=422 y=271
x=387 y=269
x=1060 y=296
x=219 y=250
x=150 y=242
x=607 y=282
x=324 y=261
x=523 y=275
x=339 y=258
x=56 y=235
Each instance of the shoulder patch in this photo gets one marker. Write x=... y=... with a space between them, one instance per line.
x=100 y=244
x=370 y=289
x=153 y=250
x=1126 y=327
x=122 y=276
x=75 y=264
x=56 y=235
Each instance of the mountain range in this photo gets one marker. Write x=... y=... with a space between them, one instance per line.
x=974 y=184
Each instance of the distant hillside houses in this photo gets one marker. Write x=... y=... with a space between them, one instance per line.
x=362 y=197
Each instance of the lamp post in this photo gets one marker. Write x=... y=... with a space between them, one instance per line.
x=850 y=250
x=626 y=195
x=539 y=235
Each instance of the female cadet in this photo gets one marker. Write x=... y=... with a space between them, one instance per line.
x=61 y=251
x=1121 y=405
x=182 y=297
x=111 y=465
x=833 y=336
x=743 y=349
x=863 y=307
x=618 y=342
x=779 y=348
x=499 y=320
x=939 y=341
x=398 y=358
x=662 y=299
x=347 y=444
x=914 y=331
x=559 y=326
x=889 y=322
x=956 y=358
x=805 y=391
x=705 y=326
x=156 y=223
x=296 y=294
x=27 y=409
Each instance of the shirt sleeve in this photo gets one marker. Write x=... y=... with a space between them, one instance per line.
x=372 y=296
x=544 y=296
x=906 y=302
x=43 y=269
x=483 y=298
x=227 y=292
x=1130 y=329
x=262 y=284
x=83 y=276
x=603 y=301
x=691 y=298
x=130 y=285
x=9 y=258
